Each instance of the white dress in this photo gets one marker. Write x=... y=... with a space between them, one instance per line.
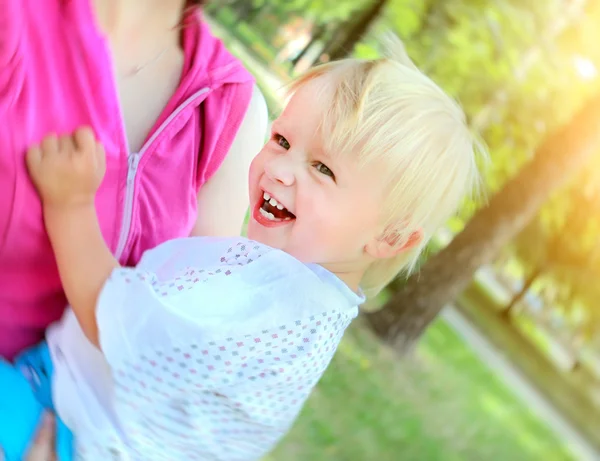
x=210 y=348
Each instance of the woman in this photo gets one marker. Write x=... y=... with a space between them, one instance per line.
x=179 y=116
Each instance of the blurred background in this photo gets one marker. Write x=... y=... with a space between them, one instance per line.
x=492 y=351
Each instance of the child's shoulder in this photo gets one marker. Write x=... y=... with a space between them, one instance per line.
x=223 y=251
x=250 y=267
x=203 y=251
x=228 y=288
x=247 y=262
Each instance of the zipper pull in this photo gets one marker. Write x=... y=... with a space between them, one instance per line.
x=133 y=161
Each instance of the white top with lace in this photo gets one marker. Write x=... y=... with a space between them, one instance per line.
x=210 y=348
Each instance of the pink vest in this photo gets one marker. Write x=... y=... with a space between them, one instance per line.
x=56 y=75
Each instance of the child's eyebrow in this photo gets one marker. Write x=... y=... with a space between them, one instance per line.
x=330 y=159
x=320 y=151
x=278 y=124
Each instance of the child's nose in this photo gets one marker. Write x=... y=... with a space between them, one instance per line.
x=281 y=171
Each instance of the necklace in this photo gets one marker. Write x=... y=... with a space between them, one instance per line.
x=140 y=67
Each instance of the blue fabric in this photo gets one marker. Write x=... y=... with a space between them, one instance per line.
x=25 y=391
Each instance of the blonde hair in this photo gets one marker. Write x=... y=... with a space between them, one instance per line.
x=386 y=110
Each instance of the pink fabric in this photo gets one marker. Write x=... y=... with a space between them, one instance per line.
x=55 y=75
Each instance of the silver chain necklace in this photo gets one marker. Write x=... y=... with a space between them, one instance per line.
x=140 y=67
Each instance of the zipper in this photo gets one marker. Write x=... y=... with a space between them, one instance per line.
x=133 y=162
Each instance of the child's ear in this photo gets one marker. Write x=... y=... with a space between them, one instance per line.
x=389 y=245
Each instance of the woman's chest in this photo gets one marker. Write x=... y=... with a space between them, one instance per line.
x=144 y=95
x=146 y=197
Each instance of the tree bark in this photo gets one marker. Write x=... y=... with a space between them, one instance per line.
x=318 y=33
x=335 y=38
x=522 y=292
x=245 y=10
x=241 y=8
x=356 y=31
x=446 y=274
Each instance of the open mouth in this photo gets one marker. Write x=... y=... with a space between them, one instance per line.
x=273 y=210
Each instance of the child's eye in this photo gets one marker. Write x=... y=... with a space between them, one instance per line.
x=281 y=141
x=324 y=169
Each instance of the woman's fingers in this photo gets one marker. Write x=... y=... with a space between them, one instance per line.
x=43 y=448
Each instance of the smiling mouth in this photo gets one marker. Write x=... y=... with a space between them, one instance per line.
x=273 y=210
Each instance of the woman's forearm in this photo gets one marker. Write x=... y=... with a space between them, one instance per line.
x=84 y=260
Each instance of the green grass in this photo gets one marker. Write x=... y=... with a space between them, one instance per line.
x=445 y=406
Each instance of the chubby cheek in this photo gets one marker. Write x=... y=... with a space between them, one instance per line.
x=355 y=225
x=254 y=176
x=255 y=167
x=331 y=231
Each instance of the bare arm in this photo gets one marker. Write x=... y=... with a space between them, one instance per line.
x=84 y=261
x=228 y=188
x=67 y=173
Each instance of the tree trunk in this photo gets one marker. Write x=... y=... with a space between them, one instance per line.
x=319 y=31
x=356 y=31
x=241 y=8
x=335 y=38
x=244 y=10
x=446 y=274
x=522 y=292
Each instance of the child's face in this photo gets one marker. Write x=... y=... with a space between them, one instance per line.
x=318 y=208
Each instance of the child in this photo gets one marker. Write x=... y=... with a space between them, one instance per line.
x=210 y=346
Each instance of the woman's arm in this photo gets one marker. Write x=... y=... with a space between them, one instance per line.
x=227 y=189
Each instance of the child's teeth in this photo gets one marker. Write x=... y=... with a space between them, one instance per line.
x=273 y=202
x=266 y=196
x=279 y=206
x=268 y=215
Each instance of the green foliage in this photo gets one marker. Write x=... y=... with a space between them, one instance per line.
x=512 y=66
x=563 y=241
x=323 y=11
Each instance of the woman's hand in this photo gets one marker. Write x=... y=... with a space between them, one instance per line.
x=68 y=170
x=43 y=446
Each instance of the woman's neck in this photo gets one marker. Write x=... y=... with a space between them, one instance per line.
x=139 y=30
x=126 y=17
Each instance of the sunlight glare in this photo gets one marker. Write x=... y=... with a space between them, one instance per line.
x=585 y=68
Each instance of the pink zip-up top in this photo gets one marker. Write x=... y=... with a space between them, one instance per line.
x=56 y=75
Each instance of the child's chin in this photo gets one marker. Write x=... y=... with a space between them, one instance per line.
x=262 y=237
x=254 y=233
x=251 y=231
